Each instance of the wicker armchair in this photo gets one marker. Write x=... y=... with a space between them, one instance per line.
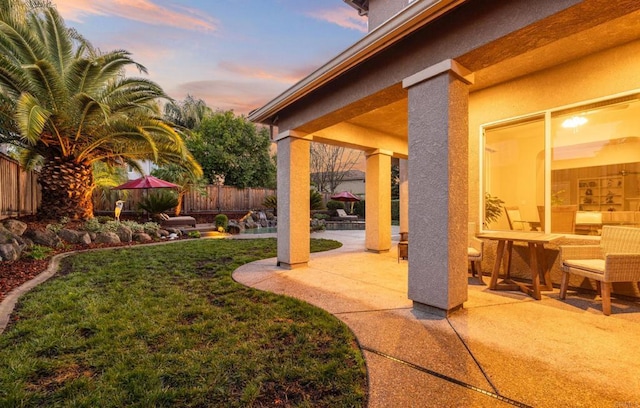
x=616 y=259
x=474 y=251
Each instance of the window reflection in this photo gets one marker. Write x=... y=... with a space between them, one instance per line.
x=594 y=169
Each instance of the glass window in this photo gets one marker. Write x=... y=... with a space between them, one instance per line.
x=514 y=173
x=594 y=169
x=595 y=164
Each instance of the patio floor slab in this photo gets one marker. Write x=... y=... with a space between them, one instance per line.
x=501 y=349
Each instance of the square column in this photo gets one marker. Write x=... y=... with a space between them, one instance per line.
x=293 y=200
x=378 y=201
x=438 y=204
x=404 y=195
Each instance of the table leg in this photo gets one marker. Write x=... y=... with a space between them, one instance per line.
x=545 y=271
x=507 y=261
x=535 y=271
x=496 y=265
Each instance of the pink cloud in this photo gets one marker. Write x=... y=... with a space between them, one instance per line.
x=290 y=76
x=145 y=11
x=342 y=17
x=229 y=95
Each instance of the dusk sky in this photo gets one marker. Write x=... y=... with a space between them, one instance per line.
x=233 y=54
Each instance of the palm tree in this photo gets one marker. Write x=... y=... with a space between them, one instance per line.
x=182 y=177
x=188 y=113
x=70 y=106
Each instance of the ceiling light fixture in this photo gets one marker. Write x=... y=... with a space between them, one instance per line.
x=574 y=122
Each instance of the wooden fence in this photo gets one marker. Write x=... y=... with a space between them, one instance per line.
x=19 y=190
x=20 y=195
x=217 y=199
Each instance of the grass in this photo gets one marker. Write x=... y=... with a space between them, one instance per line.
x=166 y=326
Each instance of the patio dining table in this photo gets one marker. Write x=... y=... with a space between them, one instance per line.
x=539 y=270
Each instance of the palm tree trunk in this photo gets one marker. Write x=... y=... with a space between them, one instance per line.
x=67 y=187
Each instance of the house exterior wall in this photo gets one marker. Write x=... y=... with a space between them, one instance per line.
x=381 y=10
x=601 y=74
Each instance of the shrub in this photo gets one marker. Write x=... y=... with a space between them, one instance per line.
x=395 y=210
x=321 y=216
x=221 y=220
x=333 y=205
x=358 y=208
x=157 y=203
x=270 y=201
x=38 y=252
x=194 y=234
x=315 y=200
x=103 y=219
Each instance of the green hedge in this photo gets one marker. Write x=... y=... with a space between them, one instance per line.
x=395 y=210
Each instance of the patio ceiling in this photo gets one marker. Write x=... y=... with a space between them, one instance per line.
x=392 y=118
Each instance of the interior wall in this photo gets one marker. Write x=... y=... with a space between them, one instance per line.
x=599 y=75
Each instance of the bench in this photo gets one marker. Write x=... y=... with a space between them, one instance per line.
x=183 y=220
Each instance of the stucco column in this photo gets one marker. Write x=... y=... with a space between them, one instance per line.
x=378 y=201
x=404 y=195
x=438 y=204
x=293 y=200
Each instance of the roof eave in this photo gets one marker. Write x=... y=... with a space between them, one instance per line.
x=407 y=21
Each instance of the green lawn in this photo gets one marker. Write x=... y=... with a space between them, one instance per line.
x=167 y=326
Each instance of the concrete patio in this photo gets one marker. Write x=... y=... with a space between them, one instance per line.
x=502 y=349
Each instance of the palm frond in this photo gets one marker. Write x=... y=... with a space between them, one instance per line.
x=31 y=118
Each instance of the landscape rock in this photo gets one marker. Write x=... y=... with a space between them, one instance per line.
x=250 y=223
x=124 y=233
x=16 y=227
x=141 y=237
x=74 y=237
x=46 y=237
x=9 y=252
x=107 y=238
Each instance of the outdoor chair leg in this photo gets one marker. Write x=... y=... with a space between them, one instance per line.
x=564 y=283
x=606 y=298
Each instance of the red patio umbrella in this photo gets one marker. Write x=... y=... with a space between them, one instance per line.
x=145 y=182
x=345 y=196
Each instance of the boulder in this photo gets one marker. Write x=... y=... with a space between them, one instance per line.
x=9 y=252
x=107 y=238
x=234 y=228
x=124 y=233
x=74 y=237
x=16 y=227
x=141 y=237
x=43 y=237
x=250 y=223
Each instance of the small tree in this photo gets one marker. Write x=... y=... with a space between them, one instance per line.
x=330 y=164
x=187 y=180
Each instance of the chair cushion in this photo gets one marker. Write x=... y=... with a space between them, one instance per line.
x=473 y=252
x=590 y=265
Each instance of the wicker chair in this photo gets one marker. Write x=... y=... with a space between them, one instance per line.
x=474 y=251
x=616 y=259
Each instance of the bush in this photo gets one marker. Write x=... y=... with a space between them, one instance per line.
x=333 y=205
x=221 y=220
x=38 y=252
x=320 y=216
x=157 y=203
x=358 y=208
x=395 y=210
x=315 y=200
x=270 y=201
